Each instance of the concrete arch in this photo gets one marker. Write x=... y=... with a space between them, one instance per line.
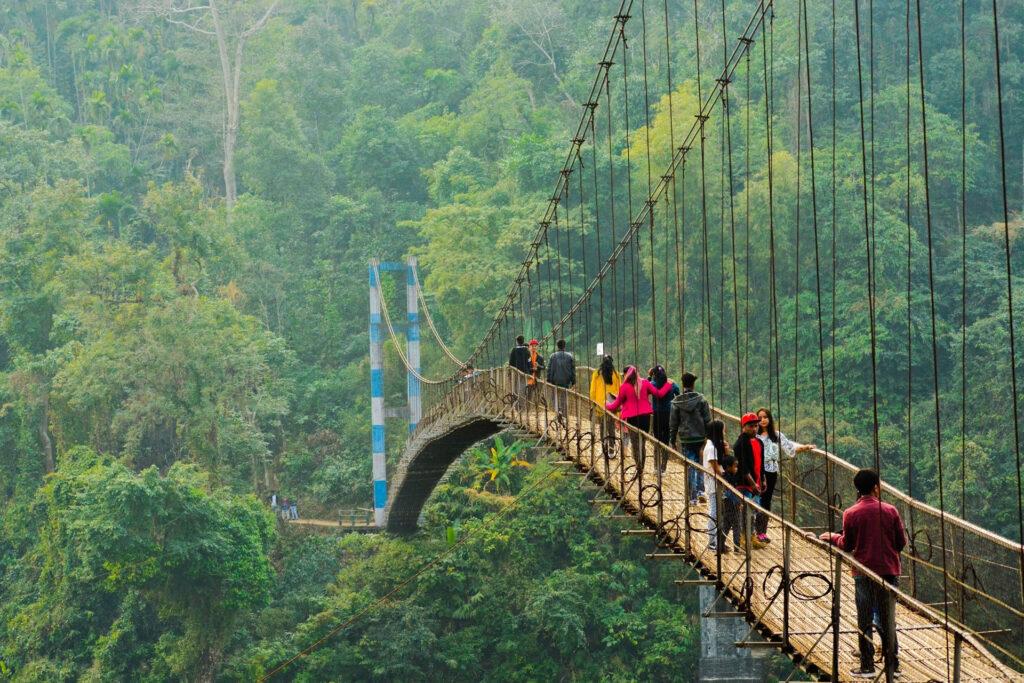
x=426 y=460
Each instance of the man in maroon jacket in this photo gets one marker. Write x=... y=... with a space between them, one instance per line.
x=873 y=533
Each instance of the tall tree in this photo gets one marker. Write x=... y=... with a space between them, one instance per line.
x=230 y=23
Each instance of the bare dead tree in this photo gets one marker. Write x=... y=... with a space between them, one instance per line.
x=230 y=23
x=541 y=23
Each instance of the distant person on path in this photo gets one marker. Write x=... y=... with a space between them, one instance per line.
x=634 y=403
x=519 y=358
x=561 y=373
x=715 y=451
x=293 y=509
x=874 y=534
x=604 y=386
x=283 y=511
x=774 y=444
x=689 y=422
x=662 y=406
x=750 y=453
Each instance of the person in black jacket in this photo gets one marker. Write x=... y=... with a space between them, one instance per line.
x=561 y=374
x=519 y=358
x=750 y=453
x=689 y=422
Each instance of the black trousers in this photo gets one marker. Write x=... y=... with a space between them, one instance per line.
x=643 y=424
x=660 y=425
x=770 y=479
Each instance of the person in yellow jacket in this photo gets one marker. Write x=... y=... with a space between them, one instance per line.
x=604 y=386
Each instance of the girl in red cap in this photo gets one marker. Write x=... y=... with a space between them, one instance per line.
x=635 y=404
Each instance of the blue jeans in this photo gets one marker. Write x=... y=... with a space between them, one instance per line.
x=692 y=451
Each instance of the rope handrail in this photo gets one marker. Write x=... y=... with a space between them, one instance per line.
x=430 y=320
x=394 y=337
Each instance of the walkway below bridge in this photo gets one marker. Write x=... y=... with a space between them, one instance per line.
x=797 y=592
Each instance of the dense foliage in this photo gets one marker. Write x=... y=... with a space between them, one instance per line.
x=184 y=233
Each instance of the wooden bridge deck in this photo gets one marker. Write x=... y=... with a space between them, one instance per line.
x=926 y=644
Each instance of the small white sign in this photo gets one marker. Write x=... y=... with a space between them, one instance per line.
x=600 y=348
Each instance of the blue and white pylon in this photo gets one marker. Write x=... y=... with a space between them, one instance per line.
x=412 y=336
x=380 y=484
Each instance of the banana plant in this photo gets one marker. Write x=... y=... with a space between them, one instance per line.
x=494 y=466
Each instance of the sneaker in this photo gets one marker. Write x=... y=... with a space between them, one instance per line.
x=702 y=499
x=858 y=672
x=755 y=543
x=764 y=538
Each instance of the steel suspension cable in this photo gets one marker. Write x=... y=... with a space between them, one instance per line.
x=963 y=300
x=708 y=105
x=775 y=401
x=796 y=257
x=746 y=228
x=430 y=320
x=935 y=346
x=821 y=330
x=707 y=350
x=611 y=197
x=726 y=110
x=867 y=246
x=910 y=338
x=633 y=255
x=681 y=337
x=650 y=185
x=1009 y=295
x=597 y=225
x=394 y=337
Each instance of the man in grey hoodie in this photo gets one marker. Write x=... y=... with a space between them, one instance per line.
x=689 y=421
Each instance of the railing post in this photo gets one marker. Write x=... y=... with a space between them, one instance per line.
x=837 y=602
x=686 y=506
x=787 y=549
x=720 y=539
x=748 y=530
x=659 y=455
x=790 y=463
x=957 y=649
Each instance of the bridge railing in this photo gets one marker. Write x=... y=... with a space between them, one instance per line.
x=978 y=590
x=949 y=563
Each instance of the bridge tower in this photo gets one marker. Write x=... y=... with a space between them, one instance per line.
x=413 y=411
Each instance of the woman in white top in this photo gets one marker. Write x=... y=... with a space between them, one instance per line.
x=774 y=443
x=715 y=448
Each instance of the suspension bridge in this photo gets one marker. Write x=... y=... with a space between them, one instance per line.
x=624 y=243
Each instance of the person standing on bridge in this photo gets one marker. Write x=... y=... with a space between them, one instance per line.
x=873 y=533
x=689 y=422
x=750 y=454
x=715 y=452
x=519 y=358
x=662 y=406
x=634 y=402
x=604 y=386
x=536 y=365
x=561 y=374
x=774 y=443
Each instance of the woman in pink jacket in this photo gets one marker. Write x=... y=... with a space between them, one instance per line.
x=634 y=406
